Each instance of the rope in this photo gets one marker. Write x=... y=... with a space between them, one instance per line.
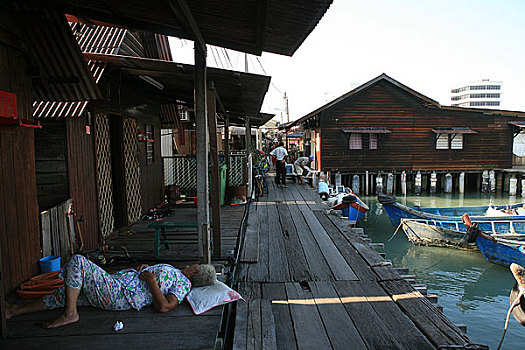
x=512 y=306
x=397 y=229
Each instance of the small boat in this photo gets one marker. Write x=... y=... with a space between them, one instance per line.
x=351 y=205
x=438 y=234
x=502 y=249
x=397 y=211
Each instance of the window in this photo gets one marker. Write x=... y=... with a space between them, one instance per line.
x=449 y=141
x=150 y=145
x=373 y=141
x=442 y=141
x=355 y=141
x=456 y=141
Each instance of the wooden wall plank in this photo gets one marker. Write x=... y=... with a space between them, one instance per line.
x=411 y=145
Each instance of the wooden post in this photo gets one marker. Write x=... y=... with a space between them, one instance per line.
x=216 y=188
x=201 y=122
x=227 y=158
x=248 y=139
x=3 y=322
x=367 y=191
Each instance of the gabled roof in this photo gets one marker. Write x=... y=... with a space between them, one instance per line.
x=426 y=100
x=361 y=88
x=251 y=26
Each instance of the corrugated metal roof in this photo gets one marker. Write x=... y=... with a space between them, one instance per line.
x=92 y=39
x=241 y=93
x=245 y=25
x=454 y=131
x=367 y=130
x=61 y=73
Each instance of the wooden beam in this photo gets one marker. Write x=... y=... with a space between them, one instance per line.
x=3 y=305
x=214 y=160
x=188 y=21
x=201 y=122
x=248 y=172
x=227 y=157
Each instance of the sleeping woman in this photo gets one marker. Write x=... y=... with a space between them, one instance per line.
x=86 y=284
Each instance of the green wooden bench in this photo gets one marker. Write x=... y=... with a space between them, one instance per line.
x=161 y=226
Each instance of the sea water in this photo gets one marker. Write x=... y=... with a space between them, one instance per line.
x=471 y=290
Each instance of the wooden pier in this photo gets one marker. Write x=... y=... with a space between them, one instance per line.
x=312 y=282
x=177 y=329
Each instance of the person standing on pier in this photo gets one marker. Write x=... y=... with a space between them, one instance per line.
x=280 y=154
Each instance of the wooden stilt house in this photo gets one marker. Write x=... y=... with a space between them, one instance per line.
x=385 y=126
x=40 y=61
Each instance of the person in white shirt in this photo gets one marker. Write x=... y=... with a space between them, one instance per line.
x=301 y=165
x=280 y=154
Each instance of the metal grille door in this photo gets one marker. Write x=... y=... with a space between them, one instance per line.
x=132 y=172
x=104 y=176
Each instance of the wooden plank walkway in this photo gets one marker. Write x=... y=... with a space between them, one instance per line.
x=146 y=329
x=313 y=283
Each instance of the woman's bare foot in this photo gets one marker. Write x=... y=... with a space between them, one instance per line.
x=64 y=319
x=8 y=310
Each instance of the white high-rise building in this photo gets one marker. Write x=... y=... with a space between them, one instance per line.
x=482 y=93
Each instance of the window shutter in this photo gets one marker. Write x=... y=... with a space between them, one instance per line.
x=355 y=141
x=442 y=141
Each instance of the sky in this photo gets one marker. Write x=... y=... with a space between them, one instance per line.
x=429 y=46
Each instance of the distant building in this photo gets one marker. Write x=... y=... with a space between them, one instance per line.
x=482 y=93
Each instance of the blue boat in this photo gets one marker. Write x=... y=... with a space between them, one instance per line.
x=502 y=249
x=351 y=206
x=397 y=211
x=356 y=210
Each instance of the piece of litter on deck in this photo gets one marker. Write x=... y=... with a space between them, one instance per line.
x=118 y=326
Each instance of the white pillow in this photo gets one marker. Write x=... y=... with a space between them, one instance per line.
x=206 y=298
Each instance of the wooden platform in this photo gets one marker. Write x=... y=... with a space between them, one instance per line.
x=311 y=282
x=145 y=329
x=183 y=241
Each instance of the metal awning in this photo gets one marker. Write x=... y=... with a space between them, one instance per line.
x=251 y=26
x=57 y=67
x=518 y=124
x=241 y=94
x=454 y=131
x=366 y=130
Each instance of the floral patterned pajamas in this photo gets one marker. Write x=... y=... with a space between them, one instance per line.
x=120 y=291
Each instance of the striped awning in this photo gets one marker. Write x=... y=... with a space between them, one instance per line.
x=454 y=131
x=367 y=130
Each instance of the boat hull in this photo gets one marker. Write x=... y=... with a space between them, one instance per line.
x=501 y=252
x=355 y=211
x=500 y=224
x=420 y=233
